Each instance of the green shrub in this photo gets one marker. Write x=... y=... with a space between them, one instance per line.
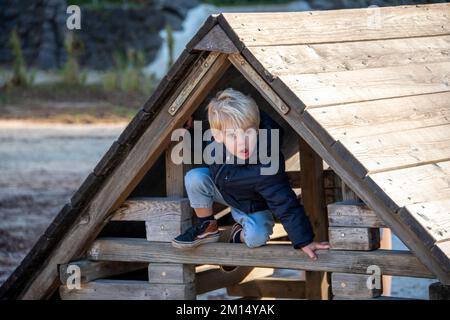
x=20 y=76
x=71 y=72
x=127 y=74
x=170 y=45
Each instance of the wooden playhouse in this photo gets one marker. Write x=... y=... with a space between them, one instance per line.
x=364 y=96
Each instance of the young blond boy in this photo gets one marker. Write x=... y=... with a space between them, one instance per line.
x=253 y=197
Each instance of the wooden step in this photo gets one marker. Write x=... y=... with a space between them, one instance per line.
x=273 y=255
x=128 y=290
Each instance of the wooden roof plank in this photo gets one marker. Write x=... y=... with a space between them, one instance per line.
x=370 y=118
x=401 y=148
x=419 y=184
x=287 y=28
x=434 y=216
x=331 y=57
x=369 y=84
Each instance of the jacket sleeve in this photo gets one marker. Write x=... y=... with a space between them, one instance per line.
x=282 y=200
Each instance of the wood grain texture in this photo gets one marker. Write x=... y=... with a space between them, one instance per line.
x=347 y=238
x=310 y=27
x=128 y=290
x=353 y=286
x=341 y=214
x=275 y=255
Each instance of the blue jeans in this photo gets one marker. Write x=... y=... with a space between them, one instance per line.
x=202 y=192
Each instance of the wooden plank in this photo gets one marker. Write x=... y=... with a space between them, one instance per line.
x=171 y=273
x=371 y=118
x=274 y=255
x=401 y=149
x=213 y=279
x=280 y=28
x=120 y=185
x=331 y=57
x=151 y=208
x=191 y=82
x=434 y=216
x=416 y=184
x=313 y=197
x=346 y=238
x=128 y=290
x=93 y=270
x=368 y=84
x=280 y=288
x=341 y=214
x=353 y=286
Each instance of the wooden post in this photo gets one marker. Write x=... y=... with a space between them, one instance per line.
x=173 y=275
x=439 y=291
x=385 y=241
x=313 y=195
x=353 y=237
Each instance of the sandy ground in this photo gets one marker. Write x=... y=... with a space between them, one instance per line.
x=41 y=165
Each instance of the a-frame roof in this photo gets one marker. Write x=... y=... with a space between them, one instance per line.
x=368 y=89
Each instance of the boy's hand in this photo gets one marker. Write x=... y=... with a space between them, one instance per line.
x=313 y=246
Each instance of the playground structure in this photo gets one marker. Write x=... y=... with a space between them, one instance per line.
x=366 y=110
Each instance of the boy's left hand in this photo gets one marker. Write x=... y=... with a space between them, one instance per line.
x=313 y=246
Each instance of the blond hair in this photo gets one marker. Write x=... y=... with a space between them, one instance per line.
x=231 y=109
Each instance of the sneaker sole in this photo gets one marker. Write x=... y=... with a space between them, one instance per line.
x=188 y=245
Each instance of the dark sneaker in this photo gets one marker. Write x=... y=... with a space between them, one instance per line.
x=234 y=230
x=202 y=232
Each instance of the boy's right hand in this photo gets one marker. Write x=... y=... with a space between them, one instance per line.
x=313 y=246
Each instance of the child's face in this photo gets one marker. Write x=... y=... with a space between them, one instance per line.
x=239 y=142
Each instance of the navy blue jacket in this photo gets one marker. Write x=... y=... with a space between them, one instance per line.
x=245 y=188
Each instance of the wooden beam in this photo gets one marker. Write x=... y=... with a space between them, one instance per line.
x=352 y=214
x=353 y=286
x=171 y=273
x=348 y=238
x=313 y=196
x=270 y=287
x=128 y=290
x=274 y=255
x=93 y=270
x=122 y=181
